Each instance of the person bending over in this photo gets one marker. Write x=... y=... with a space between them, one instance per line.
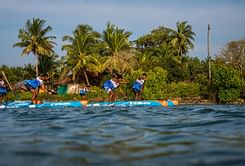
x=110 y=85
x=33 y=86
x=138 y=87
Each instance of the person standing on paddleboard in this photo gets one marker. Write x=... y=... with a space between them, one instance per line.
x=110 y=85
x=3 y=89
x=138 y=87
x=33 y=86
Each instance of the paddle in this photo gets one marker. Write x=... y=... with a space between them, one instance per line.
x=8 y=83
x=126 y=91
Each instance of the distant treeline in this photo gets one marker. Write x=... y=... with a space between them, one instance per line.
x=91 y=57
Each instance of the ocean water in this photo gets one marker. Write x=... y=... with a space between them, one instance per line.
x=182 y=135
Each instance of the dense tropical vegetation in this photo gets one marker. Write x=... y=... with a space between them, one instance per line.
x=92 y=57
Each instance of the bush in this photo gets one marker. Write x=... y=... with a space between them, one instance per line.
x=155 y=83
x=156 y=86
x=228 y=95
x=183 y=90
x=225 y=83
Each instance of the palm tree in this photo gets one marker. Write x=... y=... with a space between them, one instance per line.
x=182 y=38
x=80 y=49
x=34 y=39
x=97 y=64
x=116 y=42
x=144 y=60
x=154 y=47
x=47 y=63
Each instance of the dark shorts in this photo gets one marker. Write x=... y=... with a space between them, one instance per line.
x=29 y=87
x=2 y=94
x=82 y=94
x=136 y=90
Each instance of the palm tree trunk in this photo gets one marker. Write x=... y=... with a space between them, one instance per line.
x=37 y=66
x=86 y=77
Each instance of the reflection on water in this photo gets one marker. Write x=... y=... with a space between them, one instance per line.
x=183 y=135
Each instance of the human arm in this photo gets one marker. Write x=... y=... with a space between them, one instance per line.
x=42 y=87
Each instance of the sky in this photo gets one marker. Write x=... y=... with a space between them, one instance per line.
x=226 y=18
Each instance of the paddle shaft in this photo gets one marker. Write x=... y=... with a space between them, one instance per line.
x=8 y=82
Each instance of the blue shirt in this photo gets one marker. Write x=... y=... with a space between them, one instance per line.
x=110 y=85
x=35 y=83
x=138 y=84
x=83 y=91
x=3 y=90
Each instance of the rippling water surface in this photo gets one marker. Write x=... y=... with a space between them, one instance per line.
x=183 y=135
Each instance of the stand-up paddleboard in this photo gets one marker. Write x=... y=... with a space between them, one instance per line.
x=28 y=104
x=152 y=103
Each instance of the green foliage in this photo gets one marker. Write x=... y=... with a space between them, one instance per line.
x=228 y=95
x=80 y=50
x=182 y=38
x=117 y=47
x=48 y=64
x=115 y=39
x=131 y=78
x=225 y=77
x=96 y=94
x=34 y=39
x=155 y=85
x=183 y=90
x=162 y=54
x=18 y=96
x=173 y=65
x=225 y=83
x=16 y=74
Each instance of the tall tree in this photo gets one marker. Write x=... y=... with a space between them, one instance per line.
x=80 y=49
x=233 y=54
x=144 y=60
x=48 y=64
x=155 y=40
x=116 y=41
x=156 y=45
x=34 y=39
x=182 y=38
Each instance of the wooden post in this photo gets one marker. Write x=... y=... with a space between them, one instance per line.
x=209 y=57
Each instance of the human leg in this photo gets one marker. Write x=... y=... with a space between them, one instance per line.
x=137 y=94
x=34 y=95
x=112 y=96
x=1 y=98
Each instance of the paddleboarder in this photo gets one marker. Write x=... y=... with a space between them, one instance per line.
x=33 y=86
x=3 y=89
x=138 y=87
x=110 y=85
